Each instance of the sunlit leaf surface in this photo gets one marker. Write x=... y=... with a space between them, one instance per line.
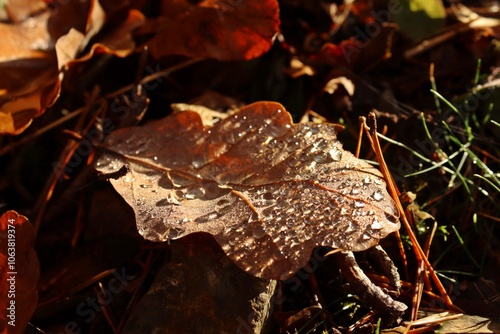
x=266 y=189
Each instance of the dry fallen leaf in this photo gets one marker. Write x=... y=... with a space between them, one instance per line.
x=39 y=41
x=233 y=30
x=269 y=191
x=28 y=77
x=19 y=272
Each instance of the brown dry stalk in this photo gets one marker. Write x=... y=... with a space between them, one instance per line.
x=402 y=252
x=393 y=191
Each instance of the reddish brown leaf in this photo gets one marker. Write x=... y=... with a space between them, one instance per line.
x=33 y=50
x=225 y=30
x=268 y=190
x=19 y=272
x=26 y=77
x=117 y=42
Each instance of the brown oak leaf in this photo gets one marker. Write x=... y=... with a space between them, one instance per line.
x=19 y=272
x=268 y=190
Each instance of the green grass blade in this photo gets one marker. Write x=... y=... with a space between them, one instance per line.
x=466 y=250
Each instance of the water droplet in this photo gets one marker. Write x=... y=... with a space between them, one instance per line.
x=351 y=227
x=175 y=232
x=145 y=186
x=223 y=206
x=355 y=191
x=266 y=199
x=292 y=146
x=128 y=178
x=320 y=144
x=272 y=143
x=278 y=255
x=344 y=211
x=335 y=154
x=155 y=158
x=359 y=204
x=290 y=223
x=195 y=192
x=306 y=234
x=258 y=231
x=178 y=180
x=141 y=201
x=377 y=195
x=376 y=225
x=366 y=236
x=232 y=138
x=293 y=162
x=198 y=162
x=333 y=203
x=367 y=180
x=284 y=191
x=305 y=157
x=277 y=131
x=322 y=157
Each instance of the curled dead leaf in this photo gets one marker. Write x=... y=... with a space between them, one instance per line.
x=269 y=191
x=39 y=42
x=333 y=85
x=27 y=73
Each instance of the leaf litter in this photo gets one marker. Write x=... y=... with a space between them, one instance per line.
x=268 y=190
x=32 y=58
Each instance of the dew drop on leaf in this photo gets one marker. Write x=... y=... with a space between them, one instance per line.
x=344 y=211
x=320 y=144
x=376 y=225
x=359 y=204
x=175 y=232
x=268 y=193
x=335 y=154
x=377 y=195
x=258 y=231
x=223 y=206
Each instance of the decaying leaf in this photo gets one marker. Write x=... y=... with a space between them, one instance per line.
x=28 y=77
x=19 y=272
x=39 y=41
x=224 y=30
x=269 y=191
